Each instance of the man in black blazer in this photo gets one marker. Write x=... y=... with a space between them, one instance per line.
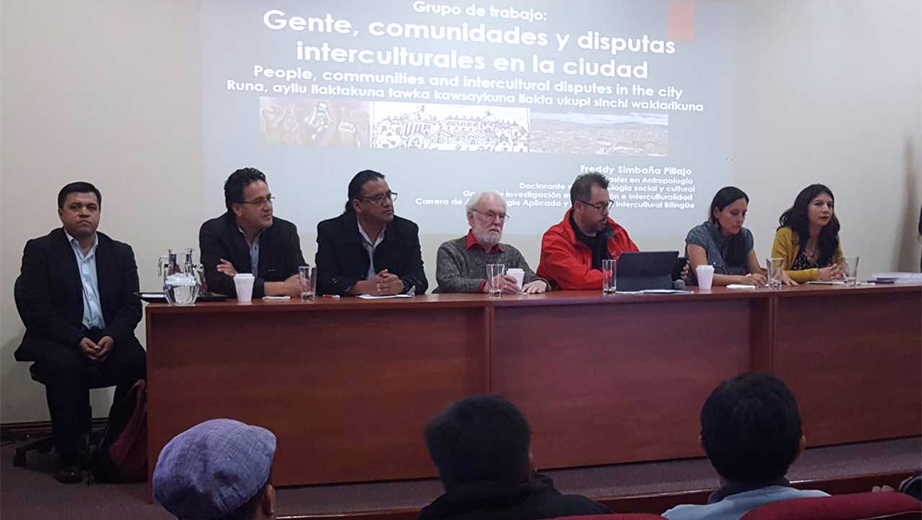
x=367 y=249
x=77 y=295
x=248 y=238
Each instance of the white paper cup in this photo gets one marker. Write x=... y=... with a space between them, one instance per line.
x=244 y=285
x=705 y=274
x=518 y=274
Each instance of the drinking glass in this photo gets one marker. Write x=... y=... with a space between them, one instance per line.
x=850 y=267
x=775 y=268
x=495 y=274
x=307 y=275
x=609 y=276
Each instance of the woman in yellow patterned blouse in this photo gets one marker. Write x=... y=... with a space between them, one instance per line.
x=808 y=237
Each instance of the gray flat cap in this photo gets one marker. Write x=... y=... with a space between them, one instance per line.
x=213 y=468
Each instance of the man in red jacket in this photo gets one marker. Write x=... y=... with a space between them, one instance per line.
x=572 y=251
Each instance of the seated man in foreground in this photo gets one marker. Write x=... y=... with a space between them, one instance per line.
x=461 y=263
x=480 y=445
x=248 y=238
x=572 y=250
x=368 y=249
x=215 y=470
x=751 y=432
x=78 y=298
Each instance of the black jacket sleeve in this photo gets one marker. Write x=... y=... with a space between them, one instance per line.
x=330 y=278
x=212 y=253
x=33 y=297
x=295 y=257
x=126 y=319
x=414 y=274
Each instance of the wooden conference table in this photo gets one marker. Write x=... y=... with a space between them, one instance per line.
x=347 y=385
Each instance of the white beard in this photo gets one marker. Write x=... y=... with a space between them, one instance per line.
x=489 y=239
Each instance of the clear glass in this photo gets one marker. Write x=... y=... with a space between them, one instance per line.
x=495 y=274
x=180 y=285
x=775 y=268
x=609 y=276
x=307 y=275
x=850 y=268
x=181 y=289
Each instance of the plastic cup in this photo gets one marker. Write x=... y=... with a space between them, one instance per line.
x=519 y=275
x=243 y=282
x=609 y=276
x=705 y=274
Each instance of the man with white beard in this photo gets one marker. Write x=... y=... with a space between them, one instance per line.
x=461 y=263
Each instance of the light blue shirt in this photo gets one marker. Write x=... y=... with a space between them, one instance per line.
x=733 y=507
x=370 y=248
x=254 y=253
x=86 y=266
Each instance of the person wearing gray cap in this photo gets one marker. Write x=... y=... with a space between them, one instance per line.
x=217 y=470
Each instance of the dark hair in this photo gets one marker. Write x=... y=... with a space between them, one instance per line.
x=798 y=219
x=78 y=187
x=247 y=510
x=736 y=249
x=751 y=429
x=237 y=182
x=582 y=186
x=480 y=438
x=357 y=183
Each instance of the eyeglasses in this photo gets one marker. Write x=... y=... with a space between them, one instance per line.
x=599 y=206
x=492 y=215
x=380 y=198
x=262 y=201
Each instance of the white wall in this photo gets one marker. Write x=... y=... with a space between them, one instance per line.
x=108 y=91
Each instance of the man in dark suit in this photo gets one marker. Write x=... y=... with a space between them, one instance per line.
x=248 y=238
x=367 y=249
x=77 y=295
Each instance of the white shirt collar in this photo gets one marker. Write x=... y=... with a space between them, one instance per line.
x=71 y=240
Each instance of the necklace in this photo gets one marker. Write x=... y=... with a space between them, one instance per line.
x=811 y=251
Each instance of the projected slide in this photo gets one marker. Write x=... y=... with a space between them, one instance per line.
x=451 y=98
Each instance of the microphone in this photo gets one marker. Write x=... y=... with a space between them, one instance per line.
x=678 y=284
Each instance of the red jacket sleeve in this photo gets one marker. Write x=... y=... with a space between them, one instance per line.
x=564 y=266
x=620 y=242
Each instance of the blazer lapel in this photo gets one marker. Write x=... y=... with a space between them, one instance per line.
x=103 y=263
x=67 y=260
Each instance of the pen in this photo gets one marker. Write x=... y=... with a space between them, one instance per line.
x=334 y=296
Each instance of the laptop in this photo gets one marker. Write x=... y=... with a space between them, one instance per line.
x=646 y=270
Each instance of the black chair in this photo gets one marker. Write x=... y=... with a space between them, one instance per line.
x=46 y=443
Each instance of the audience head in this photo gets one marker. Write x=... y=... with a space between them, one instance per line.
x=590 y=201
x=247 y=196
x=486 y=214
x=480 y=438
x=814 y=207
x=751 y=429
x=79 y=206
x=217 y=470
x=370 y=198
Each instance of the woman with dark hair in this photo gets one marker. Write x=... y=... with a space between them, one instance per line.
x=724 y=243
x=808 y=237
